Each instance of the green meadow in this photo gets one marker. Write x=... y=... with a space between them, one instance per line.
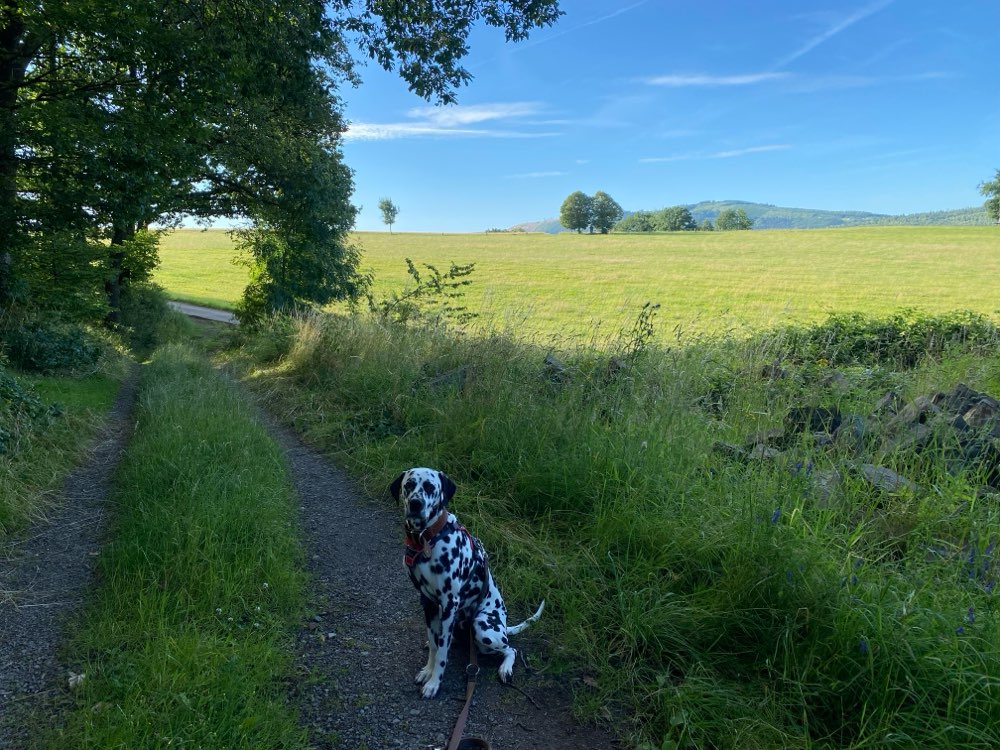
x=574 y=285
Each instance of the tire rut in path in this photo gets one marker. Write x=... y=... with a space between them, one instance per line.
x=357 y=659
x=45 y=572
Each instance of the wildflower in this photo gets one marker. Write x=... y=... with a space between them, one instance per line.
x=788 y=576
x=266 y=586
x=854 y=580
x=970 y=616
x=218 y=610
x=863 y=646
x=776 y=515
x=960 y=630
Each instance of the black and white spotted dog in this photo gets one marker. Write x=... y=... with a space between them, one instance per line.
x=449 y=568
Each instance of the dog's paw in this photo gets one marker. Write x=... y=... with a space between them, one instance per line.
x=430 y=688
x=422 y=676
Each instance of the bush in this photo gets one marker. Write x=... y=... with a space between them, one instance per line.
x=147 y=320
x=45 y=346
x=20 y=411
x=901 y=340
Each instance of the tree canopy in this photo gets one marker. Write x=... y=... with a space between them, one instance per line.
x=732 y=219
x=115 y=117
x=605 y=212
x=991 y=190
x=575 y=212
x=389 y=212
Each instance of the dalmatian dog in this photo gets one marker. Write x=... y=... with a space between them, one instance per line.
x=449 y=567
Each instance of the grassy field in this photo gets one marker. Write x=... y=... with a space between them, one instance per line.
x=574 y=285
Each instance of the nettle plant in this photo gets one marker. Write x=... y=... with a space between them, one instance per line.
x=434 y=297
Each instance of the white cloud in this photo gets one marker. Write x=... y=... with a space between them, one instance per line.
x=453 y=122
x=703 y=79
x=459 y=114
x=837 y=28
x=717 y=154
x=534 y=175
x=751 y=150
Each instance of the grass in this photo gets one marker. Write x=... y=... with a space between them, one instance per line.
x=581 y=286
x=714 y=603
x=185 y=641
x=43 y=452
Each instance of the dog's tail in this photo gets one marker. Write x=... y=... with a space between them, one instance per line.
x=515 y=629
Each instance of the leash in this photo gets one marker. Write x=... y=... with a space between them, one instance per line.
x=471 y=673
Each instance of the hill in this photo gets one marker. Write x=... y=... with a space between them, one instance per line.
x=767 y=216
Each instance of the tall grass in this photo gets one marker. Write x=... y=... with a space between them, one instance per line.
x=185 y=641
x=715 y=603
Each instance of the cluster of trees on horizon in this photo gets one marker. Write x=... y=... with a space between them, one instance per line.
x=117 y=118
x=601 y=213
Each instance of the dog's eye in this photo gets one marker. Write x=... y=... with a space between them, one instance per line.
x=428 y=488
x=410 y=485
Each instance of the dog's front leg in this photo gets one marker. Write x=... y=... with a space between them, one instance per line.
x=439 y=641
x=433 y=620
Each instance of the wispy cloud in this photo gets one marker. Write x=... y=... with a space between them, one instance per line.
x=703 y=79
x=455 y=122
x=585 y=24
x=717 y=154
x=534 y=175
x=837 y=28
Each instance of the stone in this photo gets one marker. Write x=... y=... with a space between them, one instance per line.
x=983 y=414
x=885 y=479
x=888 y=405
x=812 y=419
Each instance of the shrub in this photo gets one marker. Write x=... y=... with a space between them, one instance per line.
x=45 y=346
x=21 y=410
x=147 y=320
x=901 y=340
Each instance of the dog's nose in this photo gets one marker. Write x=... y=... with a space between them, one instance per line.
x=415 y=506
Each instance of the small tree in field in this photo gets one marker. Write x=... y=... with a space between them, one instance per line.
x=389 y=212
x=992 y=192
x=575 y=212
x=605 y=212
x=733 y=218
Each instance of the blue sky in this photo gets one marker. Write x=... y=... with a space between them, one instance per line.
x=891 y=106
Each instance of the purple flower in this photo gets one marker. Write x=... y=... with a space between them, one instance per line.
x=960 y=630
x=971 y=615
x=863 y=646
x=776 y=515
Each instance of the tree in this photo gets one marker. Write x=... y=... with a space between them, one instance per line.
x=605 y=212
x=575 y=212
x=733 y=218
x=117 y=115
x=640 y=221
x=706 y=226
x=389 y=212
x=992 y=192
x=675 y=219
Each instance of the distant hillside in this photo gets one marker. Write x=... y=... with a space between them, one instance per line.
x=766 y=216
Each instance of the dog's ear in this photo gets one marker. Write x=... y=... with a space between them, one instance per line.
x=397 y=485
x=447 y=486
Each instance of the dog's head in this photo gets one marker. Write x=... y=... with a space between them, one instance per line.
x=424 y=493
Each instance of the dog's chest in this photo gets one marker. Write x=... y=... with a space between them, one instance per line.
x=451 y=571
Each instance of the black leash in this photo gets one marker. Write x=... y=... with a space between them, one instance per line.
x=471 y=673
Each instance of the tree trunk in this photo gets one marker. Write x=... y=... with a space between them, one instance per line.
x=117 y=272
x=15 y=55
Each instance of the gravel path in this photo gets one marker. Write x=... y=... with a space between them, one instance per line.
x=358 y=657
x=44 y=574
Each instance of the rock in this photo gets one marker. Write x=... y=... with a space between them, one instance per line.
x=959 y=400
x=822 y=439
x=915 y=438
x=762 y=452
x=812 y=419
x=917 y=412
x=888 y=405
x=773 y=437
x=983 y=414
x=885 y=479
x=852 y=432
x=729 y=450
x=826 y=482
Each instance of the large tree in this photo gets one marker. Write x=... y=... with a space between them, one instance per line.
x=575 y=213
x=675 y=219
x=117 y=115
x=605 y=212
x=991 y=190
